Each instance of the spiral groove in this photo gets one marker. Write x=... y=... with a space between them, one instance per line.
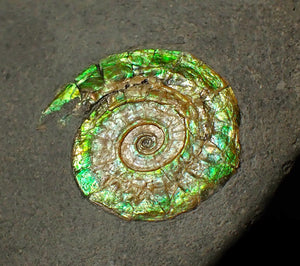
x=161 y=136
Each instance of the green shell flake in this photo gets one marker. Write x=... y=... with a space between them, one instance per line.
x=160 y=136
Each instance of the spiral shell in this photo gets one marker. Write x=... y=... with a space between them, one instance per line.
x=161 y=135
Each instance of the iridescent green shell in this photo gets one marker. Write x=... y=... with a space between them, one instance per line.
x=161 y=135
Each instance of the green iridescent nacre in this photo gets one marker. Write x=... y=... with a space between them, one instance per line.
x=161 y=135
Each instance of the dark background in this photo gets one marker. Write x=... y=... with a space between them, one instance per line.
x=45 y=220
x=274 y=236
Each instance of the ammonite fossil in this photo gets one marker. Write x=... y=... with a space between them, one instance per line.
x=160 y=135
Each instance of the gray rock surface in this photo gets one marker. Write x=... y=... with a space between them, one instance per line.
x=44 y=219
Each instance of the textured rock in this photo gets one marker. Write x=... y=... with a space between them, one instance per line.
x=44 y=218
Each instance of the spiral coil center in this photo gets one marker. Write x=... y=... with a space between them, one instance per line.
x=153 y=141
x=140 y=143
x=146 y=144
